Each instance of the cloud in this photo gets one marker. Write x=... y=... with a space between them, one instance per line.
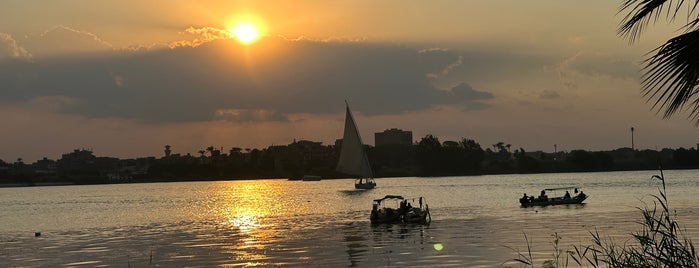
x=9 y=49
x=466 y=97
x=571 y=68
x=202 y=35
x=439 y=61
x=63 y=40
x=607 y=66
x=224 y=80
x=548 y=94
x=464 y=91
x=248 y=116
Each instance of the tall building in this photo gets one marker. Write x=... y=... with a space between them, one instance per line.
x=392 y=137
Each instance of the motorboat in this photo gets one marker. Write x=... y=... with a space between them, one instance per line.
x=565 y=199
x=404 y=210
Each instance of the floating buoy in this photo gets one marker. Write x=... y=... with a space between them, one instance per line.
x=37 y=234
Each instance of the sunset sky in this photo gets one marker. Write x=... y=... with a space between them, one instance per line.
x=125 y=78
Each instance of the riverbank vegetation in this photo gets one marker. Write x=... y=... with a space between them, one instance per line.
x=425 y=158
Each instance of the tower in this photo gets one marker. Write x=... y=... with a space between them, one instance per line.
x=632 y=145
x=167 y=150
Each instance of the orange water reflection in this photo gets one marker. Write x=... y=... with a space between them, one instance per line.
x=244 y=203
x=249 y=208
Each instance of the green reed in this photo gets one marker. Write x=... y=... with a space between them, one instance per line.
x=660 y=243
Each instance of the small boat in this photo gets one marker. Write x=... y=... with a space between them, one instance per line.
x=405 y=212
x=544 y=200
x=311 y=178
x=353 y=159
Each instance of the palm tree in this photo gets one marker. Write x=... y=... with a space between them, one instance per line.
x=671 y=76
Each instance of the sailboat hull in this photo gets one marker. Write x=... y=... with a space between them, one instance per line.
x=364 y=185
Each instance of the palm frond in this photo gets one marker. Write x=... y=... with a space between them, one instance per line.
x=671 y=76
x=640 y=13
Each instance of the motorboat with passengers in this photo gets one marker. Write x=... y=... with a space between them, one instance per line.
x=404 y=210
x=544 y=200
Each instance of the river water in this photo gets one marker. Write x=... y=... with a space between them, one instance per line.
x=476 y=221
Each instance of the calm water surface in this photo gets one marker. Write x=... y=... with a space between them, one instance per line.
x=477 y=221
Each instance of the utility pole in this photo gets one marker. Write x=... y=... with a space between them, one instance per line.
x=632 y=145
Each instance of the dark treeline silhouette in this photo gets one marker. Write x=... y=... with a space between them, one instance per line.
x=427 y=157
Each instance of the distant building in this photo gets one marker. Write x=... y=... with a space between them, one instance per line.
x=393 y=136
x=167 y=151
x=78 y=159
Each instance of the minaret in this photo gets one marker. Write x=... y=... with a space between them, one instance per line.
x=167 y=150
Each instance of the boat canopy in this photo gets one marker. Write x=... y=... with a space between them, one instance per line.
x=389 y=197
x=562 y=188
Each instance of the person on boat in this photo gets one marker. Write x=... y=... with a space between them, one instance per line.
x=566 y=196
x=581 y=195
x=524 y=199
x=542 y=196
x=403 y=207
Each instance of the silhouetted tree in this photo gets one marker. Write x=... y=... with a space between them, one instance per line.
x=499 y=160
x=684 y=158
x=586 y=161
x=428 y=150
x=450 y=159
x=473 y=155
x=525 y=163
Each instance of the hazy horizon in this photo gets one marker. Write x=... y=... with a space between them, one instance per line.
x=124 y=78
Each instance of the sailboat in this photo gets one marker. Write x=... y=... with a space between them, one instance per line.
x=353 y=159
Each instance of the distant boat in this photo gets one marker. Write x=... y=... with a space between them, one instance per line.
x=311 y=178
x=544 y=200
x=353 y=160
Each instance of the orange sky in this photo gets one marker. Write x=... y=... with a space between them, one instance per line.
x=127 y=77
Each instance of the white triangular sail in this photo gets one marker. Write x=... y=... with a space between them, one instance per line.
x=353 y=159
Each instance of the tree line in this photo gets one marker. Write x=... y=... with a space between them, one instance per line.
x=425 y=158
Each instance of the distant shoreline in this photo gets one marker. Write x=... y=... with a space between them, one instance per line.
x=8 y=185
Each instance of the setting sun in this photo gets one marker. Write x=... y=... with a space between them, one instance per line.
x=245 y=32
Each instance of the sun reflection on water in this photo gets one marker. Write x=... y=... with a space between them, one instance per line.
x=248 y=210
x=245 y=223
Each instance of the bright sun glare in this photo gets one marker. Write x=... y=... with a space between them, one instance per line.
x=245 y=32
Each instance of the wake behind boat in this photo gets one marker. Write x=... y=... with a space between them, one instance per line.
x=544 y=200
x=405 y=212
x=353 y=159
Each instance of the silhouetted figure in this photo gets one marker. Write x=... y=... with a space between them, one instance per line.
x=524 y=199
x=542 y=196
x=566 y=196
x=582 y=195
